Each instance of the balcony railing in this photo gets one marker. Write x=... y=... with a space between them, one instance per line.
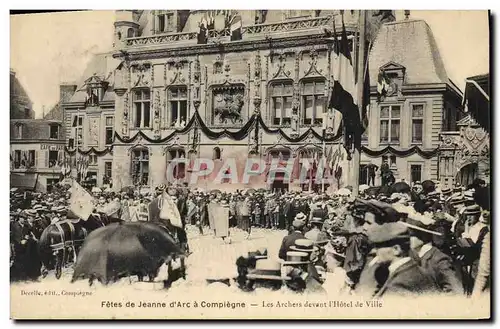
x=289 y=25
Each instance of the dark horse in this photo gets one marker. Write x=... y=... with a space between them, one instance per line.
x=61 y=241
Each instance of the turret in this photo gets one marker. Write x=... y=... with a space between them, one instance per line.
x=126 y=26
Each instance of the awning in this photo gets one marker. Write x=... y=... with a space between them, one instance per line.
x=477 y=99
x=23 y=182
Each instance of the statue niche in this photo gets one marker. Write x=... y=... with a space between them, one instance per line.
x=227 y=105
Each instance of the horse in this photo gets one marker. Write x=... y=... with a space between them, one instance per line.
x=62 y=240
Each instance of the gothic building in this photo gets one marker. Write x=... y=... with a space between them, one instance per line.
x=223 y=84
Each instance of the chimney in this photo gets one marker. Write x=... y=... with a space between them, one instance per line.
x=66 y=90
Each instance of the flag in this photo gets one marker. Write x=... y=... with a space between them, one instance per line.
x=344 y=87
x=382 y=86
x=202 y=34
x=169 y=211
x=236 y=28
x=81 y=202
x=365 y=107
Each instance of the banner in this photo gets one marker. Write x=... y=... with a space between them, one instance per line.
x=81 y=202
x=221 y=221
x=169 y=211
x=211 y=208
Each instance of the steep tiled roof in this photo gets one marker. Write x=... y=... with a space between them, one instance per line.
x=103 y=66
x=56 y=113
x=34 y=129
x=411 y=44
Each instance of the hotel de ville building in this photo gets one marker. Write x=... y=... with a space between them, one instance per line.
x=222 y=84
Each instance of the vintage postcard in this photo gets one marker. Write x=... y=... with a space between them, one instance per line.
x=250 y=164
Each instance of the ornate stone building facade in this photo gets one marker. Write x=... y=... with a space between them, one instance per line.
x=173 y=94
x=280 y=70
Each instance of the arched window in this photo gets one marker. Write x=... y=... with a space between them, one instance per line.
x=217 y=153
x=140 y=166
x=130 y=33
x=179 y=170
x=281 y=103
x=313 y=101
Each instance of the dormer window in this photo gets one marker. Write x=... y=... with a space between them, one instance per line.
x=165 y=22
x=19 y=130
x=95 y=90
x=54 y=131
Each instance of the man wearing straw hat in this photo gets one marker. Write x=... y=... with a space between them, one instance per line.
x=299 y=265
x=430 y=258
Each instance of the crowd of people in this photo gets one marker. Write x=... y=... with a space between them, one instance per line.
x=422 y=240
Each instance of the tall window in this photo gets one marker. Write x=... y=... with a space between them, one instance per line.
x=19 y=130
x=416 y=173
x=54 y=131
x=313 y=102
x=53 y=158
x=109 y=130
x=165 y=22
x=179 y=169
x=389 y=123
x=76 y=138
x=142 y=104
x=17 y=159
x=177 y=97
x=31 y=158
x=107 y=173
x=281 y=103
x=161 y=23
x=417 y=123
x=140 y=167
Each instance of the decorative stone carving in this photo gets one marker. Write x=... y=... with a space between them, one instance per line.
x=177 y=66
x=281 y=73
x=295 y=123
x=125 y=121
x=313 y=71
x=228 y=104
x=93 y=132
x=142 y=74
x=156 y=115
x=218 y=65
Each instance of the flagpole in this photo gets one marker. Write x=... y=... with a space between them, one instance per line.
x=323 y=159
x=360 y=56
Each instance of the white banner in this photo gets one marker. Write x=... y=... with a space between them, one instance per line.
x=81 y=202
x=221 y=221
x=169 y=211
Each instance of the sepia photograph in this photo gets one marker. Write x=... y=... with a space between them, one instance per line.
x=250 y=164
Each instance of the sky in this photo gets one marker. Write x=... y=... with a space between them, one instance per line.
x=48 y=49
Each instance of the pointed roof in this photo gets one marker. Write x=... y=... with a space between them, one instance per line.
x=411 y=44
x=100 y=68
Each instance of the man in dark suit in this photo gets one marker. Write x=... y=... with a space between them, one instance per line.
x=289 y=240
x=431 y=259
x=397 y=273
